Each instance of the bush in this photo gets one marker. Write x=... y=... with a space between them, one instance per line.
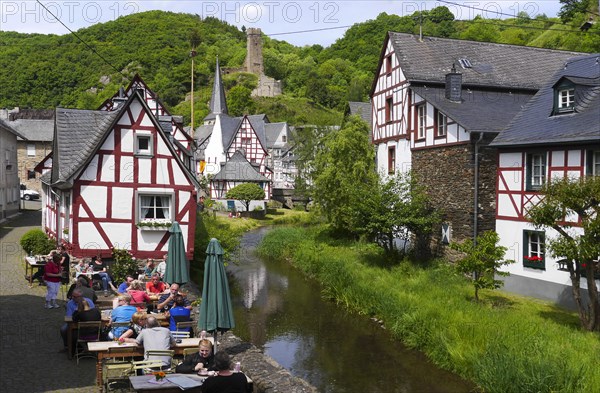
x=36 y=242
x=123 y=265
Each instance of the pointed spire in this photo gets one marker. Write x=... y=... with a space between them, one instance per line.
x=218 y=104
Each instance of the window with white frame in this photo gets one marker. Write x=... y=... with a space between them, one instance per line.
x=30 y=150
x=536 y=171
x=534 y=249
x=593 y=162
x=155 y=207
x=391 y=159
x=566 y=99
x=421 y=121
x=389 y=109
x=143 y=144
x=441 y=124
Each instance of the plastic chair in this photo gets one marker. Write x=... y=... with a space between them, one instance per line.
x=163 y=353
x=189 y=351
x=86 y=332
x=180 y=335
x=146 y=366
x=116 y=368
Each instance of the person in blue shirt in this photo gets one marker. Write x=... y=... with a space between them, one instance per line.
x=125 y=284
x=122 y=313
x=178 y=313
x=71 y=308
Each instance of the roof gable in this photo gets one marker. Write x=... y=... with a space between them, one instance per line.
x=238 y=168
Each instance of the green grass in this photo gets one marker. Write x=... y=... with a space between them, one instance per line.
x=505 y=343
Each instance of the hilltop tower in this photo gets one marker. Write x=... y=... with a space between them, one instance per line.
x=254 y=58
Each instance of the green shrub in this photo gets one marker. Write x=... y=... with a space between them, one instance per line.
x=36 y=242
x=123 y=265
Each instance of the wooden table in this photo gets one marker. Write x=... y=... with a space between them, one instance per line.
x=142 y=383
x=101 y=350
x=33 y=262
x=72 y=326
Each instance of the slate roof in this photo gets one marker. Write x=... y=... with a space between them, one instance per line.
x=34 y=130
x=4 y=126
x=536 y=124
x=272 y=131
x=497 y=65
x=77 y=135
x=362 y=109
x=238 y=168
x=479 y=110
x=218 y=102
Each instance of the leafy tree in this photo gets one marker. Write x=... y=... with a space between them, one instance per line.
x=565 y=200
x=239 y=101
x=124 y=264
x=344 y=175
x=36 y=242
x=482 y=261
x=398 y=208
x=570 y=8
x=246 y=193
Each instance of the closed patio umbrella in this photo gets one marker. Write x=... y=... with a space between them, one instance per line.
x=216 y=312
x=177 y=265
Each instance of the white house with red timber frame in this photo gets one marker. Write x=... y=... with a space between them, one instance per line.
x=557 y=135
x=436 y=105
x=116 y=170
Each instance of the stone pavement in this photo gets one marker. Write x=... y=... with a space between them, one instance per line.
x=30 y=340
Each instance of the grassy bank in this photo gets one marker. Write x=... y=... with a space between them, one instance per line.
x=506 y=343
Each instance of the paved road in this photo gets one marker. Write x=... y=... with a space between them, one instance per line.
x=30 y=338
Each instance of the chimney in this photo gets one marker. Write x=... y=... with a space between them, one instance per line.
x=117 y=101
x=454 y=85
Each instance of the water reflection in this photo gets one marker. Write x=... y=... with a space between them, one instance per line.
x=280 y=311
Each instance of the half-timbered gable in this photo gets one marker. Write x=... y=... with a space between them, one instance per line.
x=557 y=135
x=114 y=174
x=437 y=104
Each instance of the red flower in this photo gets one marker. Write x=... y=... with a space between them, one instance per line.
x=534 y=259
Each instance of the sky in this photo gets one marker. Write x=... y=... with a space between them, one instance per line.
x=291 y=21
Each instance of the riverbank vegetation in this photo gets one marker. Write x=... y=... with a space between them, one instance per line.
x=504 y=343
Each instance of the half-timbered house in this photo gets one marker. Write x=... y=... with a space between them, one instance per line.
x=223 y=137
x=116 y=174
x=555 y=136
x=436 y=105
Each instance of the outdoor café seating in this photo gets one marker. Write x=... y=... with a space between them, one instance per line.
x=86 y=332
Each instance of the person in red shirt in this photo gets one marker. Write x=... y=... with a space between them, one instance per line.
x=155 y=286
x=52 y=276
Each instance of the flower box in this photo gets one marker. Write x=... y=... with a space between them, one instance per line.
x=144 y=228
x=534 y=263
x=154 y=225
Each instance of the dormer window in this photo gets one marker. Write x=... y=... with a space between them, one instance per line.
x=564 y=95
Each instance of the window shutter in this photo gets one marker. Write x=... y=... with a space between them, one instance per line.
x=589 y=162
x=525 y=244
x=528 y=172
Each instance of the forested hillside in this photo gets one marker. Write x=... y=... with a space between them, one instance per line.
x=44 y=71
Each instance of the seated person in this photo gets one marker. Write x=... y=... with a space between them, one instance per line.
x=226 y=380
x=161 y=267
x=83 y=285
x=204 y=358
x=80 y=267
x=137 y=293
x=122 y=313
x=85 y=313
x=178 y=313
x=167 y=300
x=138 y=322
x=72 y=306
x=155 y=286
x=147 y=274
x=125 y=284
x=100 y=272
x=155 y=337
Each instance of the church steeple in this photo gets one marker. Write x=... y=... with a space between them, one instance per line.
x=218 y=103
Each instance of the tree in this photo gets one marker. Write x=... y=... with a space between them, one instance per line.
x=399 y=209
x=567 y=203
x=345 y=175
x=482 y=261
x=239 y=101
x=570 y=8
x=246 y=193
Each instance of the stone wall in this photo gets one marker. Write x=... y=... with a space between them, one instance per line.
x=28 y=163
x=447 y=174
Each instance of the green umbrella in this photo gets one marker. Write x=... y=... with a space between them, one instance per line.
x=216 y=312
x=177 y=265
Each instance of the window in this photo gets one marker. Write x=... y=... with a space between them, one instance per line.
x=389 y=109
x=388 y=65
x=534 y=247
x=284 y=138
x=154 y=207
x=536 y=171
x=441 y=124
x=30 y=174
x=566 y=99
x=391 y=159
x=143 y=144
x=30 y=150
x=593 y=162
x=421 y=121
x=246 y=141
